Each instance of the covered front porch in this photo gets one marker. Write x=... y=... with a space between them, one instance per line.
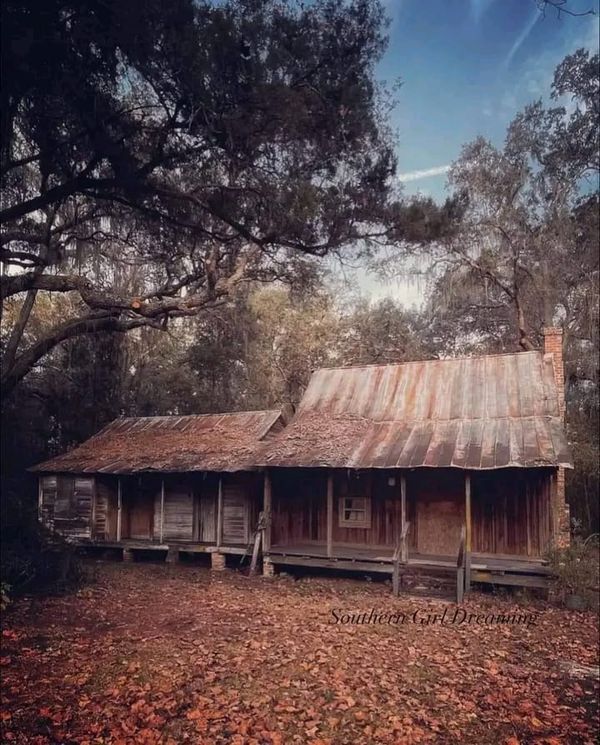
x=496 y=523
x=204 y=509
x=196 y=512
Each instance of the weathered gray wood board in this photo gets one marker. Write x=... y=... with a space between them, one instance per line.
x=66 y=504
x=235 y=513
x=178 y=518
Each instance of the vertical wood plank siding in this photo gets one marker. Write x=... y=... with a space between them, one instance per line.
x=435 y=505
x=47 y=500
x=512 y=515
x=207 y=495
x=178 y=511
x=66 y=504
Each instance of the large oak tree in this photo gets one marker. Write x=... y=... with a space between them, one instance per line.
x=204 y=144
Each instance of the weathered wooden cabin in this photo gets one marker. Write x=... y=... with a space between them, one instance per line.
x=383 y=461
x=169 y=483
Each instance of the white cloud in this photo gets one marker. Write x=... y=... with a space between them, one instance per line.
x=535 y=17
x=425 y=173
x=537 y=73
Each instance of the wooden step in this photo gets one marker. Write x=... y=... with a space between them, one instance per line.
x=509 y=578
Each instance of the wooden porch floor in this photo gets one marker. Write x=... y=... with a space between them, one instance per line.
x=141 y=544
x=384 y=555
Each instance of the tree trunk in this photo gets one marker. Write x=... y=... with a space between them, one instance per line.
x=524 y=340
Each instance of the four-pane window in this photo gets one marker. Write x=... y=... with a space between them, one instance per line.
x=355 y=512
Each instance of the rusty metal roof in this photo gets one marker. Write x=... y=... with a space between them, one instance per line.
x=484 y=412
x=208 y=442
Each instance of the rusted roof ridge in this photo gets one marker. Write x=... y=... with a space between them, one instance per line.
x=492 y=355
x=350 y=417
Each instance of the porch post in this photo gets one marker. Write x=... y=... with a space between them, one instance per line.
x=220 y=512
x=119 y=507
x=329 y=514
x=267 y=501
x=468 y=532
x=404 y=556
x=93 y=517
x=528 y=518
x=162 y=508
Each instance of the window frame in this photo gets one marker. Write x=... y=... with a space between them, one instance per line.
x=365 y=522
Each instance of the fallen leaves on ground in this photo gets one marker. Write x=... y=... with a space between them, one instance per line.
x=164 y=655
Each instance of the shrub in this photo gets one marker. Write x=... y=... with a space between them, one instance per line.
x=4 y=595
x=577 y=569
x=31 y=558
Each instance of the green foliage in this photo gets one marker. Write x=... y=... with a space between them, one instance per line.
x=379 y=333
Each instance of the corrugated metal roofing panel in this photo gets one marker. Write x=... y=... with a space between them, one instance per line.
x=478 y=444
x=208 y=442
x=484 y=412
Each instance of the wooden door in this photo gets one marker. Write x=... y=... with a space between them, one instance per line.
x=207 y=530
x=439 y=522
x=235 y=514
x=436 y=505
x=141 y=515
x=178 y=518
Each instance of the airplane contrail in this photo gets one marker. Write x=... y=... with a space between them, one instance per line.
x=425 y=173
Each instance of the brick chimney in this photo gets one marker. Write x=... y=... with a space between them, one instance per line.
x=553 y=344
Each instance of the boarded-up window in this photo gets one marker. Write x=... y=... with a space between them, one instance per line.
x=83 y=494
x=63 y=506
x=101 y=527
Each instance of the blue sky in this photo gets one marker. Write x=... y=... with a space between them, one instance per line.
x=467 y=66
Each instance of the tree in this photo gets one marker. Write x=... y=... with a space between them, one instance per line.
x=292 y=336
x=380 y=333
x=525 y=253
x=211 y=145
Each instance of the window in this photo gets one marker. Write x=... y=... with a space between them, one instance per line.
x=65 y=499
x=355 y=512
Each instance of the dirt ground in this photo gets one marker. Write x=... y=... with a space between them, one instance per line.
x=176 y=654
